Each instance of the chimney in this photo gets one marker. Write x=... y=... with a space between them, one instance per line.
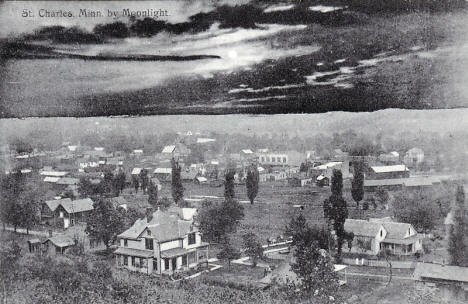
x=149 y=214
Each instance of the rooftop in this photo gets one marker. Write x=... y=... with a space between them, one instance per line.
x=441 y=272
x=387 y=169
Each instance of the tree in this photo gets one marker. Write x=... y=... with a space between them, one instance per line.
x=229 y=184
x=252 y=183
x=144 y=180
x=336 y=211
x=107 y=184
x=177 y=187
x=312 y=265
x=135 y=182
x=119 y=182
x=253 y=247
x=417 y=209
x=457 y=240
x=228 y=252
x=104 y=222
x=218 y=220
x=19 y=201
x=153 y=194
x=357 y=185
x=9 y=257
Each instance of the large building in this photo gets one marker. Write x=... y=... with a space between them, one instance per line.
x=162 y=243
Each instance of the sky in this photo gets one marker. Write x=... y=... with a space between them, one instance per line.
x=12 y=24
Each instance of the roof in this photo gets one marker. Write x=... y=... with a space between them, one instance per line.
x=159 y=217
x=34 y=241
x=247 y=151
x=201 y=179
x=68 y=181
x=188 y=175
x=441 y=272
x=418 y=181
x=449 y=219
x=54 y=173
x=136 y=171
x=406 y=241
x=396 y=230
x=53 y=204
x=168 y=149
x=134 y=252
x=173 y=252
x=61 y=240
x=327 y=165
x=362 y=227
x=49 y=179
x=205 y=140
x=383 y=182
x=163 y=171
x=78 y=205
x=386 y=169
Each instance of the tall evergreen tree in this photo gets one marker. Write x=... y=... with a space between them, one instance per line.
x=177 y=187
x=119 y=182
x=336 y=211
x=229 y=184
x=252 y=183
x=136 y=183
x=357 y=185
x=144 y=180
x=457 y=242
x=153 y=194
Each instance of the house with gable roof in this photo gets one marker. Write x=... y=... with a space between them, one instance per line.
x=164 y=242
x=75 y=211
x=374 y=235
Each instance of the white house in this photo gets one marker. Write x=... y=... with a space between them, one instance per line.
x=162 y=243
x=383 y=234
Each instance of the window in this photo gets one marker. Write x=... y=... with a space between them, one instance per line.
x=191 y=239
x=125 y=258
x=284 y=159
x=273 y=159
x=381 y=233
x=125 y=243
x=58 y=250
x=133 y=261
x=166 y=264
x=148 y=232
x=149 y=244
x=155 y=264
x=184 y=260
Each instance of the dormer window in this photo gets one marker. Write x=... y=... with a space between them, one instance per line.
x=148 y=233
x=125 y=243
x=191 y=238
x=381 y=233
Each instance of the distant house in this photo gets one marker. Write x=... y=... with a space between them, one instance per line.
x=68 y=181
x=299 y=180
x=413 y=157
x=177 y=151
x=72 y=212
x=58 y=244
x=163 y=174
x=203 y=140
x=322 y=181
x=396 y=184
x=451 y=281
x=53 y=173
x=327 y=169
x=391 y=158
x=201 y=180
x=188 y=175
x=388 y=172
x=273 y=159
x=376 y=235
x=136 y=171
x=48 y=210
x=161 y=243
x=34 y=245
